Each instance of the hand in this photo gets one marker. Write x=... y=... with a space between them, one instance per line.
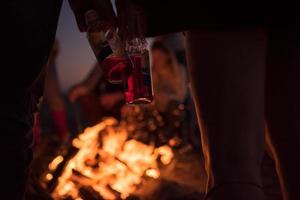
x=131 y=19
x=78 y=91
x=103 y=7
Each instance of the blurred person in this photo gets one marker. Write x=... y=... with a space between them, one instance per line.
x=170 y=89
x=53 y=96
x=189 y=128
x=97 y=98
x=169 y=77
x=175 y=41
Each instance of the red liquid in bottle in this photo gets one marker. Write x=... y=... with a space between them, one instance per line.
x=115 y=68
x=138 y=86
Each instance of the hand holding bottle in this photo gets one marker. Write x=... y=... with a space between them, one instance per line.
x=102 y=7
x=138 y=85
x=128 y=12
x=108 y=48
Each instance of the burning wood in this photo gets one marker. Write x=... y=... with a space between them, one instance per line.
x=107 y=164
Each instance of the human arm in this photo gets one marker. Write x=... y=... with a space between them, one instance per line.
x=87 y=85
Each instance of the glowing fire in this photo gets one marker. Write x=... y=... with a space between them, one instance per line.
x=109 y=163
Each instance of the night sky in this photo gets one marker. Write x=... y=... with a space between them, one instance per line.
x=76 y=57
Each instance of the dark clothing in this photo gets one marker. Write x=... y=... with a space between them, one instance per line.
x=30 y=28
x=180 y=15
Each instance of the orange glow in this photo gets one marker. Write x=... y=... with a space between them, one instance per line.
x=49 y=177
x=56 y=161
x=108 y=162
x=166 y=154
x=154 y=173
x=172 y=142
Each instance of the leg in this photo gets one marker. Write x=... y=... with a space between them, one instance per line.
x=30 y=29
x=283 y=107
x=53 y=97
x=227 y=73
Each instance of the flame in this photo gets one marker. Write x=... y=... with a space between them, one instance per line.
x=52 y=166
x=154 y=173
x=49 y=177
x=109 y=163
x=166 y=154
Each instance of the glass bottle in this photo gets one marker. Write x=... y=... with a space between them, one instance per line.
x=108 y=48
x=138 y=85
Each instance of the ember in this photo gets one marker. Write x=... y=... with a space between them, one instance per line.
x=107 y=164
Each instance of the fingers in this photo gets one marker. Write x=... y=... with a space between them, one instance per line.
x=103 y=7
x=131 y=16
x=126 y=19
x=141 y=20
x=123 y=11
x=131 y=19
x=106 y=13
